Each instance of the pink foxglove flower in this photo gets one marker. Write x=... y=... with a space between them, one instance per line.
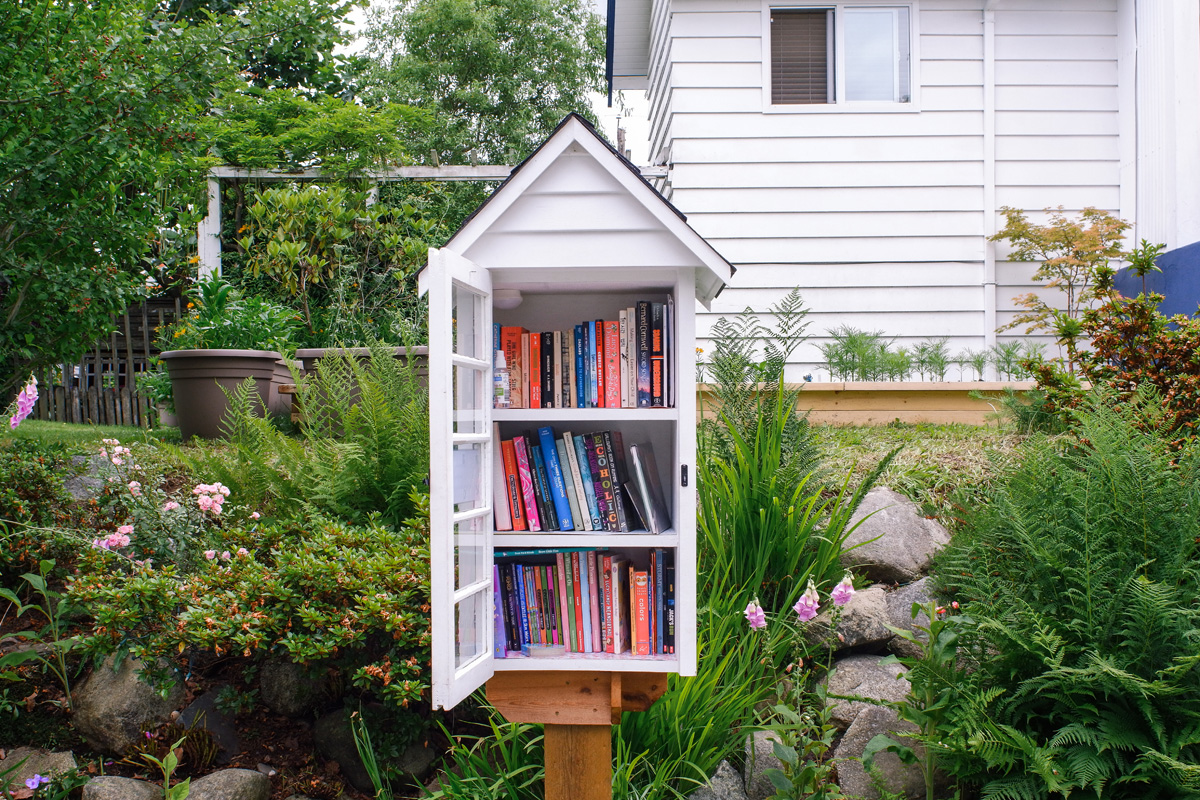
x=806 y=607
x=842 y=593
x=755 y=615
x=102 y=544
x=25 y=400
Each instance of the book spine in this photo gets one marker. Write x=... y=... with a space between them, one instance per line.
x=585 y=516
x=669 y=601
x=561 y=598
x=510 y=343
x=552 y=604
x=669 y=347
x=640 y=607
x=566 y=361
x=605 y=484
x=585 y=597
x=606 y=572
x=612 y=364
x=499 y=633
x=630 y=374
x=617 y=478
x=659 y=600
x=657 y=399
x=541 y=486
x=554 y=474
x=589 y=441
x=650 y=592
x=577 y=599
x=512 y=614
x=522 y=605
x=557 y=373
x=547 y=374
x=583 y=456
x=529 y=501
x=643 y=354
x=594 y=584
x=500 y=502
x=525 y=369
x=512 y=482
x=623 y=368
x=572 y=620
x=620 y=605
x=580 y=374
x=535 y=370
x=591 y=362
x=573 y=500
x=601 y=377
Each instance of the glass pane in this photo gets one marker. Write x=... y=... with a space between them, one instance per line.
x=470 y=552
x=471 y=619
x=467 y=463
x=468 y=400
x=467 y=317
x=873 y=54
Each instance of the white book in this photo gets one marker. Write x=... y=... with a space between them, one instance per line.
x=620 y=606
x=569 y=489
x=577 y=481
x=623 y=321
x=630 y=374
x=500 y=506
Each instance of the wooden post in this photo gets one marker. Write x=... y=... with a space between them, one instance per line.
x=578 y=710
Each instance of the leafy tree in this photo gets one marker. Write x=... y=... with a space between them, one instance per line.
x=500 y=73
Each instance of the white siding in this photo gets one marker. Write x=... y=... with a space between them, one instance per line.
x=881 y=216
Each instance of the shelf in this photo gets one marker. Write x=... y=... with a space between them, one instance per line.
x=598 y=541
x=607 y=662
x=548 y=415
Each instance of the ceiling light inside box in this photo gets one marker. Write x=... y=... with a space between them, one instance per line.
x=506 y=298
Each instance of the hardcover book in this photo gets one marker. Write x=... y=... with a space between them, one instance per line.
x=657 y=353
x=643 y=354
x=568 y=479
x=640 y=609
x=541 y=486
x=555 y=479
x=612 y=364
x=585 y=513
x=645 y=488
x=585 y=457
x=525 y=476
x=500 y=501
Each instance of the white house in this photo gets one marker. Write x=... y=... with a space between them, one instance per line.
x=860 y=150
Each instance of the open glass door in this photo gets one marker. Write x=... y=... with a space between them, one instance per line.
x=460 y=470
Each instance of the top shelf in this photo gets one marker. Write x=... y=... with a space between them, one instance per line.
x=583 y=414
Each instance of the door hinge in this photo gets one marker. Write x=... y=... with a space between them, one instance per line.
x=683 y=474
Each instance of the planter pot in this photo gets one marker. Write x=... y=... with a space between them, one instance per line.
x=197 y=380
x=166 y=419
x=310 y=357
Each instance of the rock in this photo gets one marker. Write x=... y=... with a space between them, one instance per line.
x=899 y=611
x=88 y=484
x=112 y=708
x=108 y=787
x=863 y=676
x=287 y=688
x=37 y=762
x=417 y=760
x=905 y=780
x=203 y=713
x=862 y=623
x=760 y=757
x=335 y=741
x=904 y=540
x=725 y=784
x=231 y=784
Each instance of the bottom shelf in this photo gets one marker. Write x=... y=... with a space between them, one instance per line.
x=607 y=662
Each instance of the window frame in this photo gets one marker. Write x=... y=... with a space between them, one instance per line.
x=840 y=105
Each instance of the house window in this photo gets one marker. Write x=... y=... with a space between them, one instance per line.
x=840 y=53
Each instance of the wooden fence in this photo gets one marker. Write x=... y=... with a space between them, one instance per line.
x=101 y=388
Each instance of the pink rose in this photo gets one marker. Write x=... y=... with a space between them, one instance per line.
x=170 y=505
x=255 y=515
x=210 y=554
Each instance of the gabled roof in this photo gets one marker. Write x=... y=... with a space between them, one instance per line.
x=576 y=184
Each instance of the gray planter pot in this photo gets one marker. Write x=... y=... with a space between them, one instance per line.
x=197 y=380
x=310 y=357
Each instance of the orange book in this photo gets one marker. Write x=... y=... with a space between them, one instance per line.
x=612 y=364
x=512 y=482
x=510 y=343
x=639 y=608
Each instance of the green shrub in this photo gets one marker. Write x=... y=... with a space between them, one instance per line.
x=1082 y=582
x=219 y=317
x=320 y=593
x=32 y=497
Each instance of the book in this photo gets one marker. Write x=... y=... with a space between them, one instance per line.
x=657 y=353
x=552 y=602
x=556 y=382
x=536 y=635
x=563 y=600
x=500 y=633
x=618 y=502
x=525 y=369
x=623 y=367
x=569 y=479
x=612 y=364
x=669 y=599
x=577 y=598
x=525 y=476
x=547 y=374
x=510 y=343
x=659 y=603
x=541 y=486
x=622 y=473
x=589 y=487
x=522 y=605
x=593 y=389
x=629 y=367
x=585 y=514
x=507 y=552
x=572 y=615
x=535 y=370
x=501 y=509
x=669 y=348
x=645 y=488
x=596 y=598
x=513 y=613
x=580 y=373
x=556 y=482
x=602 y=476
x=639 y=605
x=585 y=598
x=601 y=374
x=650 y=593
x=643 y=354
x=569 y=369
x=620 y=604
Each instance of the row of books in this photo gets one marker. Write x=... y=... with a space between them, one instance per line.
x=585 y=601
x=623 y=363
x=584 y=482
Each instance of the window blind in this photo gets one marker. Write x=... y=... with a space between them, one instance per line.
x=800 y=55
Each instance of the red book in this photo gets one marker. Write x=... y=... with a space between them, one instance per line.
x=639 y=607
x=510 y=343
x=612 y=364
x=578 y=599
x=535 y=370
x=512 y=482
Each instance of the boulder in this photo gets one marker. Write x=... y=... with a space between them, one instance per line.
x=203 y=713
x=725 y=784
x=109 y=787
x=114 y=706
x=760 y=757
x=862 y=624
x=417 y=760
x=287 y=688
x=862 y=676
x=231 y=784
x=37 y=762
x=87 y=482
x=902 y=779
x=899 y=612
x=896 y=540
x=335 y=741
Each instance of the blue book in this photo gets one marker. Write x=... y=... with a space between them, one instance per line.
x=593 y=383
x=580 y=370
x=539 y=551
x=537 y=467
x=585 y=596
x=495 y=338
x=522 y=605
x=589 y=488
x=557 y=479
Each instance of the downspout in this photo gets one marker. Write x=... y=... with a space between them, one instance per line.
x=989 y=179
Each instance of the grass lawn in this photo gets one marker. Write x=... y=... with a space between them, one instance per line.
x=66 y=433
